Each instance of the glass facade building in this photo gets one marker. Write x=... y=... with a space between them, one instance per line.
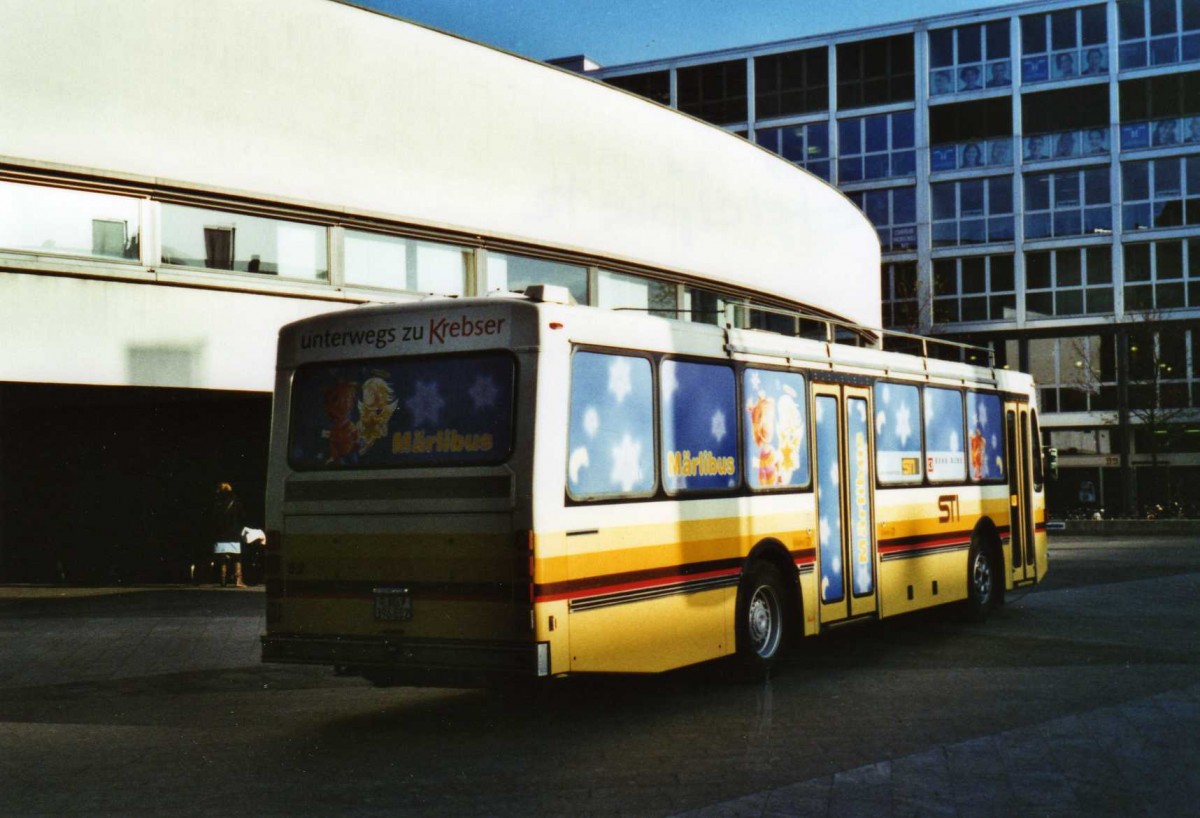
x=1033 y=172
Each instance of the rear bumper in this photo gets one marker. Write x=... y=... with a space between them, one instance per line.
x=384 y=658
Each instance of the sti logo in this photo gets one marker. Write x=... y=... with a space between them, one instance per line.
x=948 y=508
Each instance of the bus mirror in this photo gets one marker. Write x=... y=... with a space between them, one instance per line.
x=1050 y=455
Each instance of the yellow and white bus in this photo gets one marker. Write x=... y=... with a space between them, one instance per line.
x=521 y=486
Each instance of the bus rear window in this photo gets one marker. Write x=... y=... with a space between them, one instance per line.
x=397 y=412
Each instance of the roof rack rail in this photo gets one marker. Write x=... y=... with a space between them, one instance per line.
x=835 y=329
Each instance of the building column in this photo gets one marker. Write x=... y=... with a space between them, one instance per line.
x=1129 y=490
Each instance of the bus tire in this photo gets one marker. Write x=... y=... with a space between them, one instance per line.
x=762 y=613
x=983 y=591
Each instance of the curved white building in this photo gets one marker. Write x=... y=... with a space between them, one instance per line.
x=177 y=180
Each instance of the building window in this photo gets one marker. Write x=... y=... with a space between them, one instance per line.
x=1160 y=193
x=1064 y=45
x=972 y=211
x=1075 y=374
x=1158 y=372
x=715 y=92
x=1075 y=281
x=973 y=288
x=806 y=145
x=1161 y=111
x=1162 y=275
x=515 y=273
x=893 y=211
x=876 y=147
x=793 y=83
x=703 y=307
x=972 y=134
x=224 y=240
x=1158 y=32
x=395 y=263
x=1065 y=123
x=898 y=290
x=619 y=291
x=36 y=219
x=969 y=58
x=875 y=72
x=1067 y=203
x=654 y=85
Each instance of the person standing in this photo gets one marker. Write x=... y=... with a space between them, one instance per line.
x=227 y=534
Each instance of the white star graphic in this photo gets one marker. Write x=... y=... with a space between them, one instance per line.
x=880 y=421
x=591 y=421
x=483 y=392
x=425 y=404
x=620 y=382
x=903 y=424
x=626 y=463
x=718 y=425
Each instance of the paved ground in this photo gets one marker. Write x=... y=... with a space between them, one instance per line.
x=1079 y=699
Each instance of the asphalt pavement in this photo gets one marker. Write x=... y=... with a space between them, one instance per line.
x=1136 y=756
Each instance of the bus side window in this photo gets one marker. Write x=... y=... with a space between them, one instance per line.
x=897 y=434
x=985 y=431
x=699 y=427
x=610 y=440
x=944 y=460
x=775 y=429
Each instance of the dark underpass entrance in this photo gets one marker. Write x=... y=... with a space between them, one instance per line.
x=114 y=484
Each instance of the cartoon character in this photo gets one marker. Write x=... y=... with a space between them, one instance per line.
x=376 y=408
x=790 y=422
x=762 y=426
x=978 y=446
x=342 y=433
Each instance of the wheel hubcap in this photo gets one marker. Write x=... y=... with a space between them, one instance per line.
x=983 y=577
x=764 y=622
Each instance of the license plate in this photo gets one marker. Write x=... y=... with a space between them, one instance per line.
x=393 y=604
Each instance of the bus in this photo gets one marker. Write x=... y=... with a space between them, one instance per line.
x=468 y=489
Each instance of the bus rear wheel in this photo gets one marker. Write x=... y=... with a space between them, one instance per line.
x=762 y=607
x=982 y=578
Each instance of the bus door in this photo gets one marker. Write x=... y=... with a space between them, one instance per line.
x=845 y=487
x=1020 y=492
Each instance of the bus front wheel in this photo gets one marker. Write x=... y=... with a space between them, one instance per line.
x=761 y=618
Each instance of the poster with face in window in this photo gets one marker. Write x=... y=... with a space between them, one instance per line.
x=986 y=436
x=776 y=432
x=450 y=410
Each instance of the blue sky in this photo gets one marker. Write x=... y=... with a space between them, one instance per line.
x=614 y=32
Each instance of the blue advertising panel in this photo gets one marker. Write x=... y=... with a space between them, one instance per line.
x=452 y=410
x=985 y=430
x=829 y=506
x=944 y=157
x=944 y=457
x=1135 y=135
x=610 y=439
x=699 y=427
x=776 y=433
x=862 y=571
x=897 y=433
